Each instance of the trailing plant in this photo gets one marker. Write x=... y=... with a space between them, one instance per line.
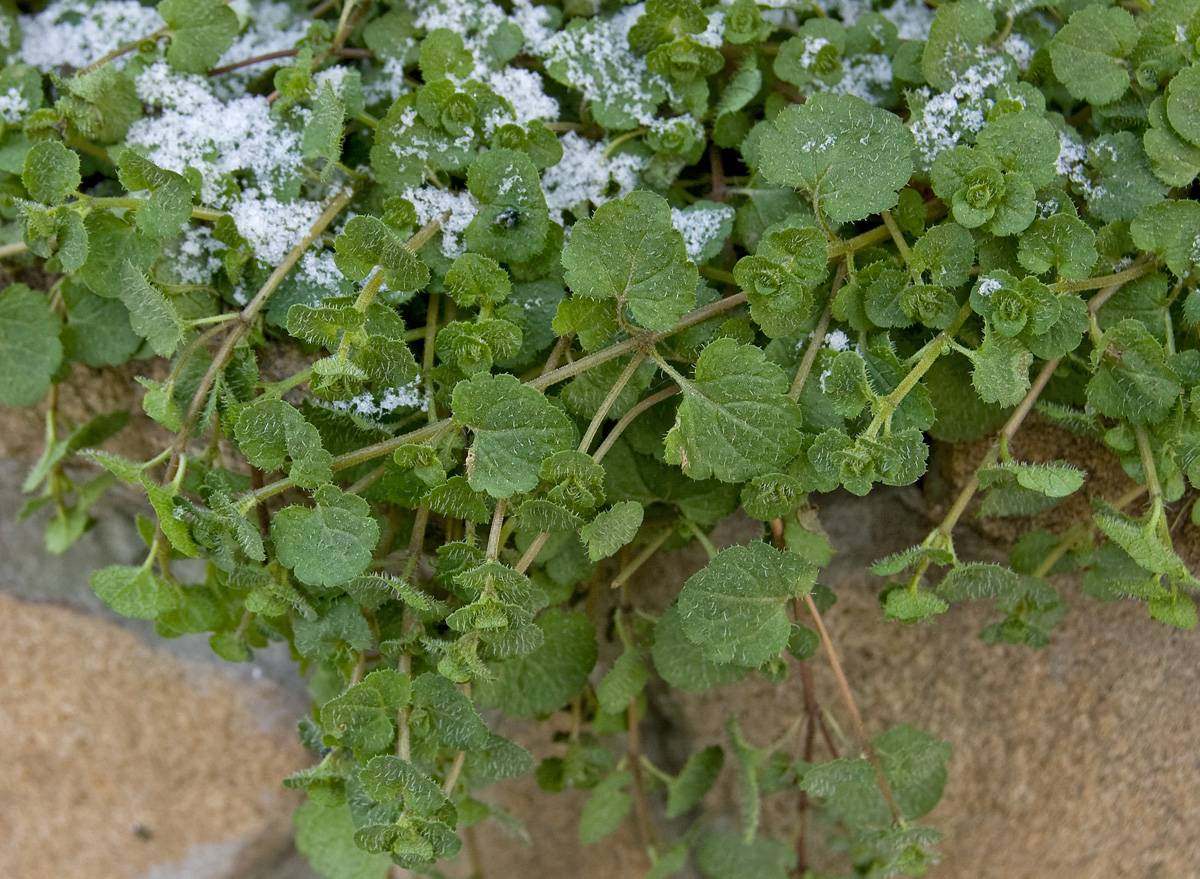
x=570 y=284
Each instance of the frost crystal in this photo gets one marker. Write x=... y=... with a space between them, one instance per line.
x=1020 y=51
x=700 y=227
x=523 y=89
x=365 y=405
x=13 y=107
x=912 y=18
x=865 y=76
x=988 y=286
x=837 y=340
x=940 y=121
x=459 y=209
x=196 y=129
x=70 y=33
x=584 y=177
x=270 y=226
x=1070 y=163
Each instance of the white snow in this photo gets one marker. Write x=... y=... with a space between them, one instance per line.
x=459 y=209
x=940 y=121
x=71 y=33
x=584 y=177
x=988 y=286
x=700 y=226
x=270 y=226
x=13 y=107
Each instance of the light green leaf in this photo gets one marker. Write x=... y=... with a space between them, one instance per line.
x=201 y=32
x=914 y=763
x=325 y=836
x=51 y=172
x=848 y=789
x=364 y=717
x=909 y=607
x=696 y=778
x=513 y=222
x=133 y=592
x=734 y=609
x=624 y=682
x=736 y=420
x=270 y=432
x=612 y=529
x=1170 y=229
x=724 y=855
x=328 y=544
x=543 y=681
x=630 y=251
x=682 y=664
x=324 y=130
x=957 y=32
x=455 y=723
x=30 y=351
x=515 y=428
x=1183 y=103
x=851 y=157
x=387 y=777
x=977 y=581
x=1132 y=380
x=151 y=314
x=1088 y=53
x=366 y=242
x=606 y=808
x=170 y=203
x=335 y=628
x=1062 y=242
x=1001 y=372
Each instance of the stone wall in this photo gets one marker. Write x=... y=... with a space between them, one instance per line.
x=128 y=756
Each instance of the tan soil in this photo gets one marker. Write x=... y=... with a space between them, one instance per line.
x=118 y=758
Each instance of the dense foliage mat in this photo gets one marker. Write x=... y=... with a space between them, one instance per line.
x=570 y=284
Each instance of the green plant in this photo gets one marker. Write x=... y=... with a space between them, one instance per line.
x=576 y=283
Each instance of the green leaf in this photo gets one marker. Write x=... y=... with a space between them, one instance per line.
x=851 y=157
x=1062 y=242
x=454 y=721
x=30 y=351
x=513 y=222
x=724 y=855
x=734 y=609
x=957 y=32
x=515 y=428
x=323 y=133
x=977 y=581
x=848 y=789
x=51 y=172
x=325 y=836
x=682 y=664
x=946 y=252
x=133 y=592
x=1088 y=53
x=630 y=251
x=1143 y=542
x=1178 y=609
x=387 y=777
x=612 y=529
x=606 y=808
x=543 y=681
x=1183 y=103
x=201 y=32
x=102 y=103
x=365 y=243
x=270 y=431
x=170 y=203
x=1170 y=229
x=624 y=682
x=151 y=314
x=696 y=778
x=335 y=628
x=909 y=607
x=329 y=544
x=1132 y=380
x=914 y=763
x=1001 y=372
x=736 y=420
x=364 y=717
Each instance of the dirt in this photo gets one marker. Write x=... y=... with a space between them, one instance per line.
x=119 y=758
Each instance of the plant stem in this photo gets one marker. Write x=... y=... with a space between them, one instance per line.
x=897 y=236
x=532 y=552
x=609 y=400
x=247 y=316
x=1142 y=266
x=855 y=717
x=818 y=336
x=493 y=546
x=641 y=558
x=125 y=49
x=634 y=740
x=13 y=249
x=627 y=418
